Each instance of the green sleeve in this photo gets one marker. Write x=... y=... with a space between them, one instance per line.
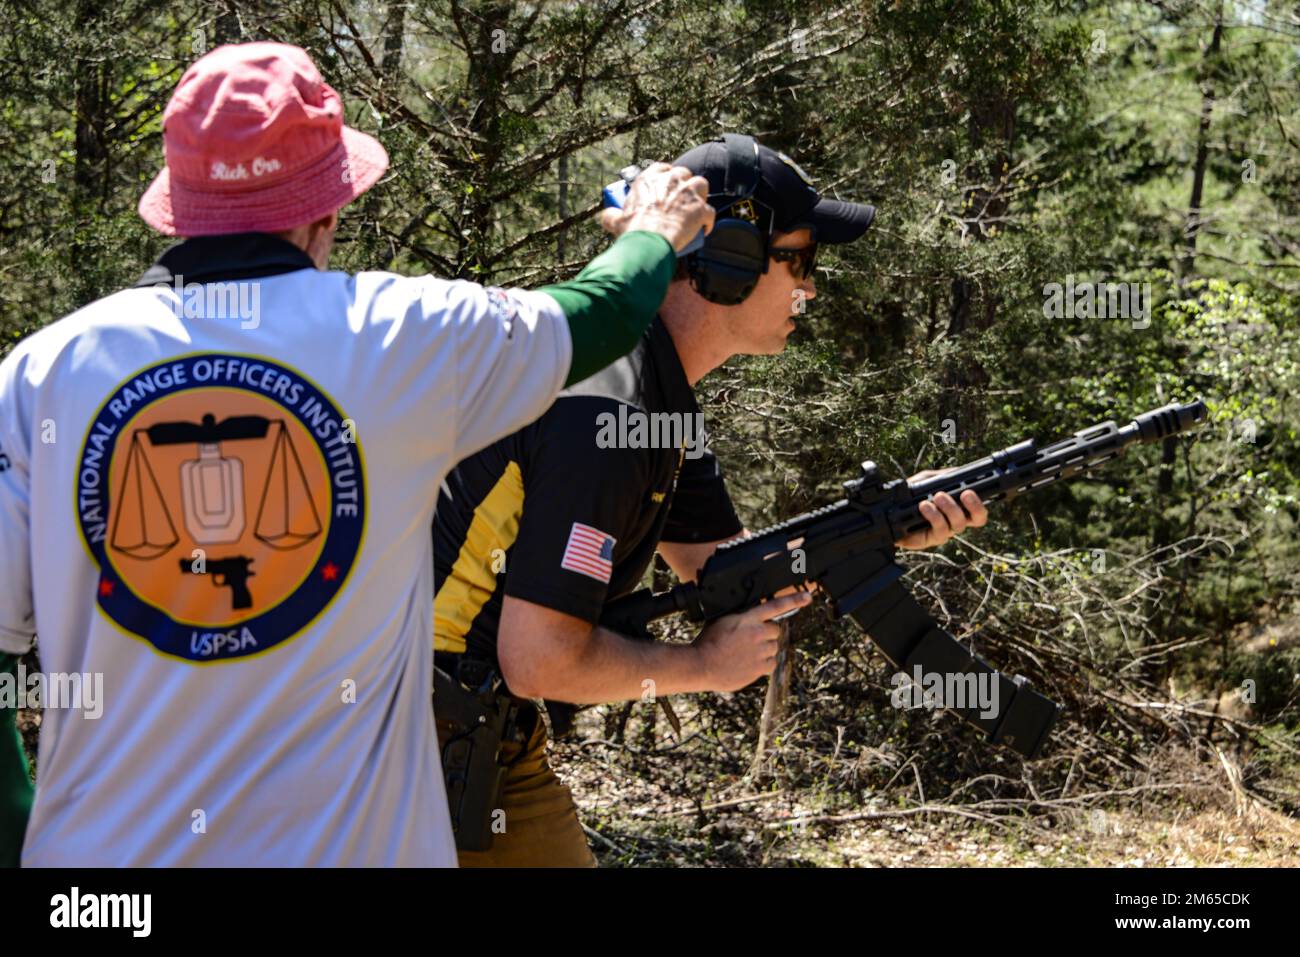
x=610 y=304
x=15 y=779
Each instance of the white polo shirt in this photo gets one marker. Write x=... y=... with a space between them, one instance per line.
x=217 y=499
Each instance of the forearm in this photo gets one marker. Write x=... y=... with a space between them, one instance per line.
x=611 y=667
x=610 y=304
x=687 y=558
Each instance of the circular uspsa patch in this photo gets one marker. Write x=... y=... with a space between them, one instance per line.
x=223 y=499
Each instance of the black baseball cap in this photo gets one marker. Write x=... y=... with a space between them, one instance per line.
x=784 y=197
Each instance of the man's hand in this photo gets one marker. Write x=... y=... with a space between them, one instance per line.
x=668 y=200
x=945 y=516
x=737 y=650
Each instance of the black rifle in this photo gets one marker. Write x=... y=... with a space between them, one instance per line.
x=848 y=549
x=232 y=573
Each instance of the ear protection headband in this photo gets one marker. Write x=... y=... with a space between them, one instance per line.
x=726 y=268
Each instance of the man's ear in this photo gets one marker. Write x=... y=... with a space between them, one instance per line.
x=326 y=223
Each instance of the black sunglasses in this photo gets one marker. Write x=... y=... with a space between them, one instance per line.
x=804 y=258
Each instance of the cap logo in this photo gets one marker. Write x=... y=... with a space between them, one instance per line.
x=744 y=209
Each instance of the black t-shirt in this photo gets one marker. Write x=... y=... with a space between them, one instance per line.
x=567 y=512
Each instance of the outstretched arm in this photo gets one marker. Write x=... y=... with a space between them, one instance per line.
x=611 y=302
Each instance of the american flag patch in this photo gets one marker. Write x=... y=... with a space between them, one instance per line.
x=590 y=552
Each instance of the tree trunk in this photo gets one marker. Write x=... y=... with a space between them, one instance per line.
x=225 y=26
x=90 y=165
x=1194 y=219
x=394 y=26
x=774 y=705
x=562 y=208
x=90 y=106
x=484 y=25
x=992 y=118
x=1163 y=531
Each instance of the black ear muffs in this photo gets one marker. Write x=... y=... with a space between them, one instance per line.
x=727 y=268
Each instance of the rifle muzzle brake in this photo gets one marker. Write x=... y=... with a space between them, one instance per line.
x=1169 y=420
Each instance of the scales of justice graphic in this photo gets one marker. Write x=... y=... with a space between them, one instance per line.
x=212 y=499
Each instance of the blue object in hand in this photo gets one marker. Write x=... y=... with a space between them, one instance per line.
x=615 y=194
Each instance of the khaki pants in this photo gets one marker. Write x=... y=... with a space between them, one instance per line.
x=541 y=820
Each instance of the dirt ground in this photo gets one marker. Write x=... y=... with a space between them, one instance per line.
x=656 y=807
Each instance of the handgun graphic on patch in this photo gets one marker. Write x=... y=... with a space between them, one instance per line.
x=232 y=573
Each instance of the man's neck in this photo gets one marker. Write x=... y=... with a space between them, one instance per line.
x=700 y=340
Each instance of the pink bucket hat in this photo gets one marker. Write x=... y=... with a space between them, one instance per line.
x=255 y=142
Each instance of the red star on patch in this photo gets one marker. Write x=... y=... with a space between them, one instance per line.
x=105 y=588
x=330 y=572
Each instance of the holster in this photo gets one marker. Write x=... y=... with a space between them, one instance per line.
x=479 y=717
